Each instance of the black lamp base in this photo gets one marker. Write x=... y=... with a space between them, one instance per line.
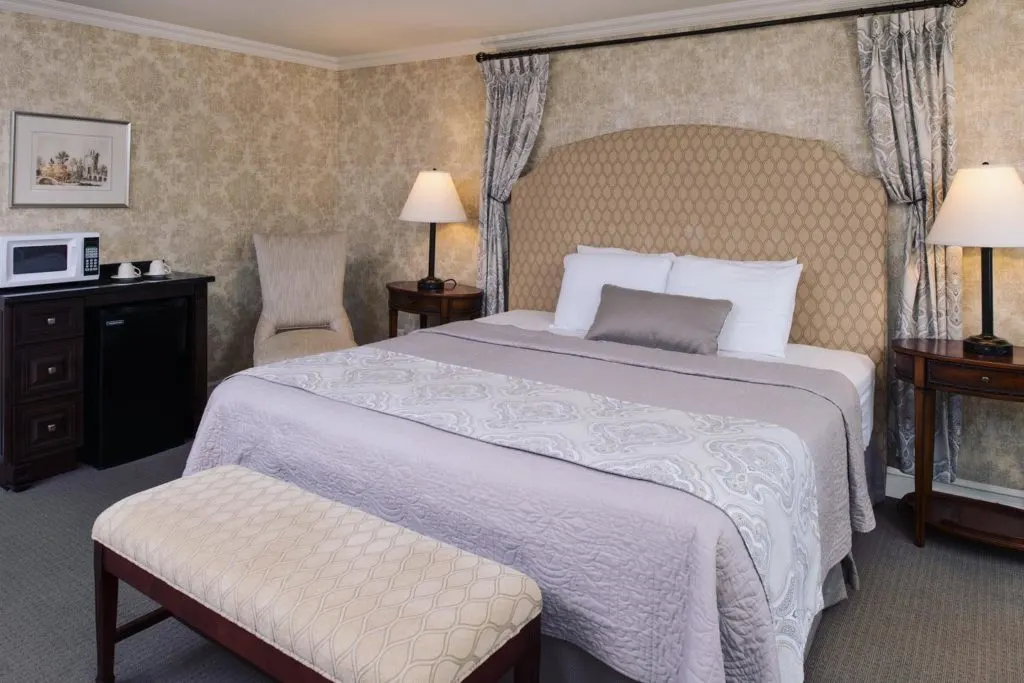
x=988 y=345
x=430 y=284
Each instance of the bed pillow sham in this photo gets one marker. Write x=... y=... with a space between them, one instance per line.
x=659 y=321
x=763 y=300
x=689 y=258
x=586 y=249
x=586 y=274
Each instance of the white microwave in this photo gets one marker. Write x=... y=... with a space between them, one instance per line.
x=49 y=258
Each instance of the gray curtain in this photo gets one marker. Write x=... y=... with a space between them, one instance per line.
x=516 y=91
x=906 y=63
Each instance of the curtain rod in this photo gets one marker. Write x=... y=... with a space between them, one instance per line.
x=863 y=12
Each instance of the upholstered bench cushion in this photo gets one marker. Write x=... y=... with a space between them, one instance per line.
x=348 y=594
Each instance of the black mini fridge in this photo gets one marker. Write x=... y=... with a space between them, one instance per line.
x=137 y=388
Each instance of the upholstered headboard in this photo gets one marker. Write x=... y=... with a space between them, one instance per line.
x=719 y=192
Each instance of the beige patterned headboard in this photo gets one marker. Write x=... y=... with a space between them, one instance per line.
x=719 y=192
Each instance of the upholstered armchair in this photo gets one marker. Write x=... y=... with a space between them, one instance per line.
x=302 y=278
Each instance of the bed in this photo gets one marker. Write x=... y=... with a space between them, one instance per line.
x=564 y=457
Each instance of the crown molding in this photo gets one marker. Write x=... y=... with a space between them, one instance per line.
x=646 y=24
x=65 y=11
x=422 y=53
x=740 y=11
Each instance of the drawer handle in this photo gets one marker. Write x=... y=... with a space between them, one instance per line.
x=51 y=321
x=52 y=370
x=986 y=379
x=52 y=427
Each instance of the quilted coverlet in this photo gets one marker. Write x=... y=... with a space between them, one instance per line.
x=731 y=566
x=759 y=474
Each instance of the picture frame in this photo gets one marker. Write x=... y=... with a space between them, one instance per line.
x=62 y=161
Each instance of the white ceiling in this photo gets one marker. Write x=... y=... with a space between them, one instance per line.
x=353 y=33
x=341 y=28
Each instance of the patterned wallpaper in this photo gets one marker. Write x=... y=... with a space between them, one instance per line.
x=799 y=80
x=396 y=121
x=224 y=145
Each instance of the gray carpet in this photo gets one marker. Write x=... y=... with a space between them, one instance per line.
x=951 y=612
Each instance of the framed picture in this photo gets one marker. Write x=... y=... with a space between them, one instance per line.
x=69 y=162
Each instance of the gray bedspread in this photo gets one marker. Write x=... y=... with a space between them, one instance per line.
x=656 y=583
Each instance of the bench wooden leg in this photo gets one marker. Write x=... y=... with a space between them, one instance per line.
x=106 y=617
x=527 y=669
x=521 y=655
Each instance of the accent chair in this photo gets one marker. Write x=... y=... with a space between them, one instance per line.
x=302 y=278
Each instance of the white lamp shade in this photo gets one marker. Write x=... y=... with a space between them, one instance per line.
x=984 y=208
x=433 y=199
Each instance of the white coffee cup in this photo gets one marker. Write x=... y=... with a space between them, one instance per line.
x=159 y=267
x=127 y=270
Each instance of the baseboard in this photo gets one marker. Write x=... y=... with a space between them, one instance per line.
x=898 y=485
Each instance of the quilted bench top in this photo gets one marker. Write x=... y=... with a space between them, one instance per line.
x=346 y=593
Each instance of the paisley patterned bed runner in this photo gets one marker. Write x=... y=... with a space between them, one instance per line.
x=760 y=475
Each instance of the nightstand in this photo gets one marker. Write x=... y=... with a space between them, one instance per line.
x=461 y=302
x=938 y=365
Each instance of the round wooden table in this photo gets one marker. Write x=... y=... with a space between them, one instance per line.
x=460 y=302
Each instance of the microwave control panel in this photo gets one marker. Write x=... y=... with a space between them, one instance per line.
x=91 y=256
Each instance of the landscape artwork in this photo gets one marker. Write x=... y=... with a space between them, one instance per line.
x=72 y=161
x=69 y=161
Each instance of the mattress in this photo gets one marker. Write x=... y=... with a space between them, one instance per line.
x=856 y=367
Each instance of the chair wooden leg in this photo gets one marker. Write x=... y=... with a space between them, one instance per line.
x=527 y=669
x=106 y=617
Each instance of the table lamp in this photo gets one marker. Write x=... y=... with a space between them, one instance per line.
x=984 y=208
x=433 y=200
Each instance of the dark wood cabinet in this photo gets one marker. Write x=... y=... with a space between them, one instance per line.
x=43 y=364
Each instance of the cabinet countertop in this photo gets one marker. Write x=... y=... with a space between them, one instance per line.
x=103 y=284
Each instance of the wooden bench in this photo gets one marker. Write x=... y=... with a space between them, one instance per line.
x=309 y=590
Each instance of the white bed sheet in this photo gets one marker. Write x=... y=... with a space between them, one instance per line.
x=856 y=367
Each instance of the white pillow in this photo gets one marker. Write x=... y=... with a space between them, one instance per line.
x=585 y=249
x=759 y=264
x=763 y=300
x=586 y=274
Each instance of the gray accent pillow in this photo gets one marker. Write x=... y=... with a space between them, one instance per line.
x=659 y=321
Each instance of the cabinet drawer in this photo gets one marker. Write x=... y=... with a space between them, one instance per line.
x=976 y=379
x=465 y=308
x=48 y=369
x=48 y=321
x=47 y=426
x=415 y=303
